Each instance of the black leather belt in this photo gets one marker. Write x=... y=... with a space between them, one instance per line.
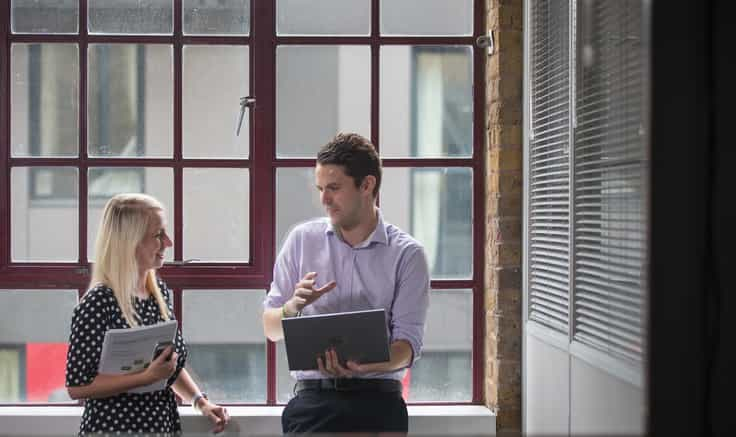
x=349 y=384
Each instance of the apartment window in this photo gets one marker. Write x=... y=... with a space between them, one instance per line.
x=110 y=96
x=587 y=196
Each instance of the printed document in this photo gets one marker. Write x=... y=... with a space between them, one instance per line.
x=130 y=350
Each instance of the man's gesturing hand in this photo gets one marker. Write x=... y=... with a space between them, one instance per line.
x=305 y=293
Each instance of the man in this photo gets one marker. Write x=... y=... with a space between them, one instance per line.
x=349 y=261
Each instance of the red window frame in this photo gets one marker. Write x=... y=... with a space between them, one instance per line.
x=261 y=162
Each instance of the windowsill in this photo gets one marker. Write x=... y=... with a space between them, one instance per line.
x=423 y=420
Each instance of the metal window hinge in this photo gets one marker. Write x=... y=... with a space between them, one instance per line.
x=486 y=41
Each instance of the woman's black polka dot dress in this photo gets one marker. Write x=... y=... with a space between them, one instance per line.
x=146 y=413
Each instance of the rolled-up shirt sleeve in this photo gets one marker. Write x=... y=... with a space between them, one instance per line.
x=411 y=300
x=285 y=273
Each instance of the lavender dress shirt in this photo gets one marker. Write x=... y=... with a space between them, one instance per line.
x=388 y=270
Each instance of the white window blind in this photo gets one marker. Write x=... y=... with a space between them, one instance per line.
x=549 y=165
x=610 y=209
x=588 y=162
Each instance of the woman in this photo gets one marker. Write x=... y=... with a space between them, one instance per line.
x=124 y=292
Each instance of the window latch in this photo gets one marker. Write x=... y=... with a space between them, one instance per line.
x=486 y=41
x=245 y=102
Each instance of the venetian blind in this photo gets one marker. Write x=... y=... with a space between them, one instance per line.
x=549 y=173
x=610 y=168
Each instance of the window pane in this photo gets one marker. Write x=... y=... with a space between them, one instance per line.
x=132 y=17
x=284 y=381
x=105 y=182
x=297 y=200
x=130 y=97
x=215 y=77
x=216 y=214
x=39 y=196
x=435 y=206
x=227 y=349
x=426 y=17
x=33 y=344
x=345 y=17
x=319 y=92
x=226 y=17
x=44 y=100
x=444 y=373
x=426 y=101
x=45 y=16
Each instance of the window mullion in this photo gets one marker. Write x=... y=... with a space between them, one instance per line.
x=263 y=153
x=5 y=140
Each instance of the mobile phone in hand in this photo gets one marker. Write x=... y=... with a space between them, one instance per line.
x=160 y=347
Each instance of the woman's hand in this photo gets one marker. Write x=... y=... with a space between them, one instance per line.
x=163 y=366
x=217 y=414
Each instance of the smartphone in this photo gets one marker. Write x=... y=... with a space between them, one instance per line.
x=160 y=347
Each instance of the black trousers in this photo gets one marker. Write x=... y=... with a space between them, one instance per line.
x=329 y=411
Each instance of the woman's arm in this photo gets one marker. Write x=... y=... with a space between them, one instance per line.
x=104 y=386
x=187 y=389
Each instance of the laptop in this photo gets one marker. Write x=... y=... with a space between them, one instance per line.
x=357 y=335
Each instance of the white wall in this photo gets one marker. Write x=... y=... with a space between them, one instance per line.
x=601 y=403
x=547 y=388
x=564 y=394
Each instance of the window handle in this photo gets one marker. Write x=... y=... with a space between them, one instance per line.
x=181 y=263
x=249 y=102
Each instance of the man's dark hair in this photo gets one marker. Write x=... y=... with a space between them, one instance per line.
x=356 y=155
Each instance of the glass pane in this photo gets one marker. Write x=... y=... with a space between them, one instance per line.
x=105 y=182
x=435 y=205
x=426 y=17
x=34 y=343
x=227 y=348
x=444 y=373
x=40 y=196
x=215 y=77
x=284 y=381
x=323 y=17
x=320 y=91
x=131 y=17
x=426 y=101
x=226 y=17
x=217 y=209
x=130 y=100
x=44 y=16
x=297 y=200
x=44 y=100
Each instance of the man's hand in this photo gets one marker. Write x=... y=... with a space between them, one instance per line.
x=305 y=294
x=331 y=367
x=400 y=352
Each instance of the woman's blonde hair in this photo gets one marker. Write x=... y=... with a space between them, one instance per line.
x=124 y=223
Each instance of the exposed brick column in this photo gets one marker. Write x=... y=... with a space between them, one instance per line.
x=504 y=215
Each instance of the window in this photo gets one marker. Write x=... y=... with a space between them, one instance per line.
x=145 y=97
x=587 y=227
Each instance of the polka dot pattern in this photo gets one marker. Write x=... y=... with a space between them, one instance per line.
x=153 y=413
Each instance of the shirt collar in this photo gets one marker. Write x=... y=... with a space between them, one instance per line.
x=379 y=234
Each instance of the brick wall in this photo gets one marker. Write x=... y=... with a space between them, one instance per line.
x=504 y=75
